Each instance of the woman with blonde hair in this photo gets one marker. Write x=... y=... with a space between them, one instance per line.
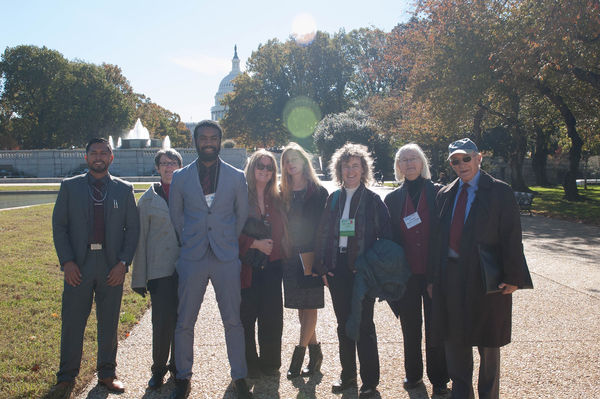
x=263 y=246
x=304 y=200
x=414 y=227
x=353 y=220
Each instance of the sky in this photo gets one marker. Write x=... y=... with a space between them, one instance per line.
x=176 y=52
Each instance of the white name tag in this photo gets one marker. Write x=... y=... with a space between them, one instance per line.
x=412 y=220
x=209 y=199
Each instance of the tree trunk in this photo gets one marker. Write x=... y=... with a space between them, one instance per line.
x=569 y=184
x=517 y=155
x=477 y=121
x=539 y=158
x=518 y=147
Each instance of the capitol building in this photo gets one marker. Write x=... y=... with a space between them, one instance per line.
x=217 y=112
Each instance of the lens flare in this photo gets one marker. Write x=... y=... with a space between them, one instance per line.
x=301 y=115
x=304 y=29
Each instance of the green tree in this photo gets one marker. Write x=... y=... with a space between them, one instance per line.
x=87 y=105
x=49 y=102
x=354 y=126
x=28 y=74
x=277 y=74
x=161 y=122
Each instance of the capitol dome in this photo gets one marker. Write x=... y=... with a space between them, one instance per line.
x=226 y=86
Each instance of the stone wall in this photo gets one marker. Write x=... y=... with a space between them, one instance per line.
x=130 y=162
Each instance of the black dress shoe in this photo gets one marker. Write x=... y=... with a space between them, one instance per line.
x=367 y=392
x=270 y=371
x=342 y=385
x=156 y=381
x=412 y=384
x=242 y=390
x=440 y=390
x=61 y=390
x=253 y=372
x=182 y=389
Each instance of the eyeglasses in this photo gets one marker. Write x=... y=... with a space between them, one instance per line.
x=408 y=160
x=456 y=161
x=262 y=166
x=168 y=164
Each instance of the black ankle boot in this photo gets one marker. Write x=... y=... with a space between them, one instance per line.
x=297 y=360
x=315 y=361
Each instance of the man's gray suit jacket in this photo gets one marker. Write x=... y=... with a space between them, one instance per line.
x=71 y=222
x=196 y=224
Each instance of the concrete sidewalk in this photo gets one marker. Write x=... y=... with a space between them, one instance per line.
x=555 y=351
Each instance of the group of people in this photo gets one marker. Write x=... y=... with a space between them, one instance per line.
x=251 y=232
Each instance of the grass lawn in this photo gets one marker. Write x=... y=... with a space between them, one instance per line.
x=45 y=187
x=550 y=201
x=30 y=307
x=54 y=187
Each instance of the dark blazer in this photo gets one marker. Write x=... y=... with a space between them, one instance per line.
x=312 y=209
x=71 y=222
x=493 y=220
x=395 y=204
x=372 y=223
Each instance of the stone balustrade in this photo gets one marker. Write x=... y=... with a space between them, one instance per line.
x=127 y=162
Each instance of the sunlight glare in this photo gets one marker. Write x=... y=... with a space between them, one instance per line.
x=301 y=116
x=304 y=29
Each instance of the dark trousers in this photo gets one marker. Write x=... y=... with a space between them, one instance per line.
x=262 y=305
x=409 y=310
x=163 y=293
x=340 y=287
x=76 y=308
x=460 y=368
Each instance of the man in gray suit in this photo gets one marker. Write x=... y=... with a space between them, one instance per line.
x=95 y=226
x=208 y=202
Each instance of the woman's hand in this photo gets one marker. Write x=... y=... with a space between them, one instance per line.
x=265 y=245
x=324 y=277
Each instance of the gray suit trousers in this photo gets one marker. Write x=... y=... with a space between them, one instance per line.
x=76 y=308
x=193 y=279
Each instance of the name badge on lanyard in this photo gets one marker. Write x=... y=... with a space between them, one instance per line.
x=347 y=227
x=209 y=199
x=412 y=220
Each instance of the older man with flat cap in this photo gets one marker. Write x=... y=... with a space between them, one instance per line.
x=477 y=213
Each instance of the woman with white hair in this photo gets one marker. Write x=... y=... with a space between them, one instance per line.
x=414 y=226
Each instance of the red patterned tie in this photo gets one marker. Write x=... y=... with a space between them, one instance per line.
x=458 y=220
x=99 y=197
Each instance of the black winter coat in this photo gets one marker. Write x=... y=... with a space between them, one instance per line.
x=493 y=220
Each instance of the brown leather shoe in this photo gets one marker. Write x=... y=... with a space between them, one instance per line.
x=112 y=384
x=61 y=390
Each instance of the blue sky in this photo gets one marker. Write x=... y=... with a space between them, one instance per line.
x=176 y=52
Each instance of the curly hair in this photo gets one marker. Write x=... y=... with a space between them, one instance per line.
x=343 y=154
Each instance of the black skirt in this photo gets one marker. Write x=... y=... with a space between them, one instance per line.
x=301 y=292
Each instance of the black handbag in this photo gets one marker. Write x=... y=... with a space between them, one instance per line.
x=258 y=229
x=491 y=271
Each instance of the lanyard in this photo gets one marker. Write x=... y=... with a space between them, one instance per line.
x=340 y=209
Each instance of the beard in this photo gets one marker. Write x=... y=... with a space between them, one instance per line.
x=207 y=156
x=98 y=168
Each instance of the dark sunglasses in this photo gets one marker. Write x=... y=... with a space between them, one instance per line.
x=456 y=161
x=261 y=166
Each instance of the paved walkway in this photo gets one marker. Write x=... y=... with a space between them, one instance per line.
x=555 y=351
